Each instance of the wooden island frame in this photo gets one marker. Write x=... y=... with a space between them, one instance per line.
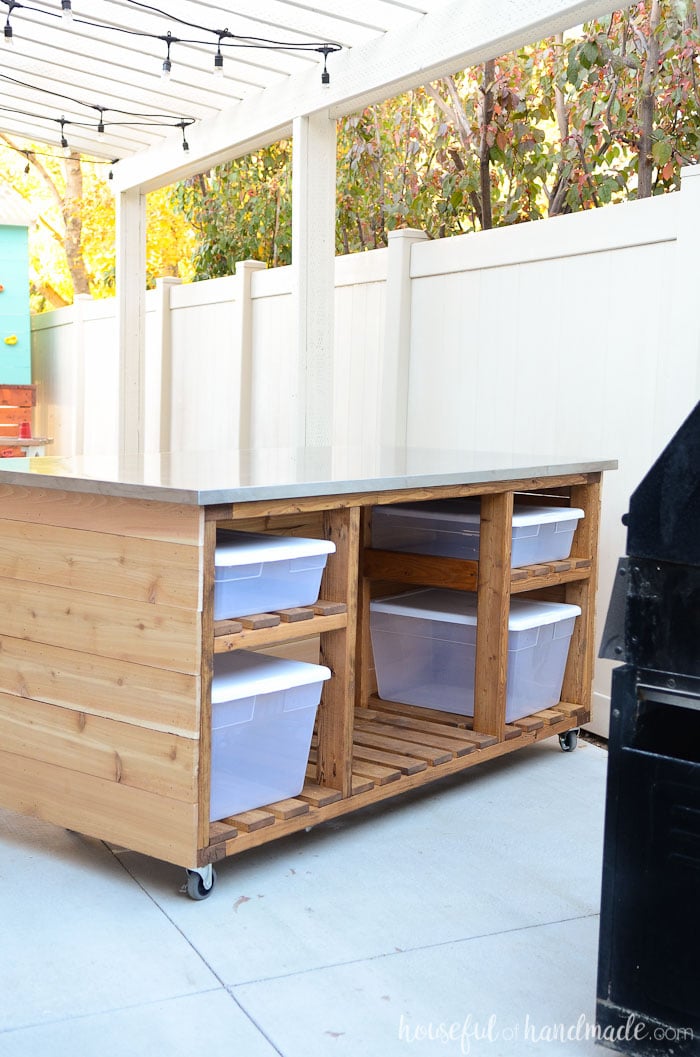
x=108 y=638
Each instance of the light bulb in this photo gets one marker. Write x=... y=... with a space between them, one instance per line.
x=167 y=67
x=8 y=38
x=218 y=65
x=67 y=10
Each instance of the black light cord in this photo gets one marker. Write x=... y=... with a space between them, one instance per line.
x=135 y=119
x=223 y=37
x=29 y=153
x=90 y=106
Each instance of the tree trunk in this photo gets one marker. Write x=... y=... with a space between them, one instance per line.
x=52 y=296
x=378 y=220
x=557 y=198
x=72 y=206
x=645 y=164
x=485 y=118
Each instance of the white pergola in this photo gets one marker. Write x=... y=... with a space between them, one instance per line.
x=388 y=46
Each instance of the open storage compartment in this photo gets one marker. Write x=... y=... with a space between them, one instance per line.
x=144 y=684
x=424 y=644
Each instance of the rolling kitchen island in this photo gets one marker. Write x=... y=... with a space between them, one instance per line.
x=108 y=635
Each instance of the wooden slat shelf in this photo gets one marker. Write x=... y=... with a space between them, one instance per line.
x=133 y=705
x=258 y=630
x=418 y=736
x=566 y=571
x=463 y=575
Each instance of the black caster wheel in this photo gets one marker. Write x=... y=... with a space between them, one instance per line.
x=569 y=740
x=196 y=886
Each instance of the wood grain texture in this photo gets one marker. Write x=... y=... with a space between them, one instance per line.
x=447 y=737
x=160 y=636
x=256 y=621
x=267 y=508
x=136 y=819
x=421 y=569
x=149 y=520
x=298 y=525
x=493 y=606
x=366 y=682
x=413 y=777
x=153 y=571
x=206 y=680
x=249 y=821
x=118 y=752
x=367 y=736
x=335 y=714
x=288 y=808
x=17 y=395
x=259 y=638
x=578 y=675
x=115 y=689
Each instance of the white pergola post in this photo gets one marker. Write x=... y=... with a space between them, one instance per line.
x=160 y=428
x=313 y=262
x=397 y=337
x=131 y=312
x=244 y=275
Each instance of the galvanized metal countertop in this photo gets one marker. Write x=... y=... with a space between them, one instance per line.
x=209 y=478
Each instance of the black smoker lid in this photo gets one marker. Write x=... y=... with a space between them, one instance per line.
x=664 y=515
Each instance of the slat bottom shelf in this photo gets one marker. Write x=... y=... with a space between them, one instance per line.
x=258 y=630
x=396 y=747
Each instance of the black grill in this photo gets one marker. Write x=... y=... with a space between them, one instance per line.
x=649 y=951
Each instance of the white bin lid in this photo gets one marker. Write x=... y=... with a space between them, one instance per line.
x=243 y=673
x=459 y=607
x=250 y=548
x=467 y=511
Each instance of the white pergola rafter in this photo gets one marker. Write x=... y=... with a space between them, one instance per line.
x=446 y=39
x=389 y=46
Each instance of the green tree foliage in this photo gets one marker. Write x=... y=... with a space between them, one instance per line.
x=240 y=211
x=604 y=115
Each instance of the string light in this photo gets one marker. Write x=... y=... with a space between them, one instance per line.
x=167 y=65
x=325 y=76
x=31 y=154
x=222 y=37
x=134 y=119
x=218 y=62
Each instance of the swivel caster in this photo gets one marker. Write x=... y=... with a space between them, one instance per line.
x=200 y=882
x=569 y=739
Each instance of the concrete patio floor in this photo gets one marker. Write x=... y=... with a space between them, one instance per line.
x=459 y=919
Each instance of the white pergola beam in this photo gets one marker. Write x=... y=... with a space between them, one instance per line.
x=131 y=311
x=460 y=35
x=313 y=264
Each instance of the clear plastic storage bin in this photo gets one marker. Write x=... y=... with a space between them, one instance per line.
x=424 y=645
x=255 y=573
x=263 y=713
x=450 y=528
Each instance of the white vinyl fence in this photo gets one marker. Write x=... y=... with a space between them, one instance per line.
x=574 y=336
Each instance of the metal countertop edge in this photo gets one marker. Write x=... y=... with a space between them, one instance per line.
x=305 y=490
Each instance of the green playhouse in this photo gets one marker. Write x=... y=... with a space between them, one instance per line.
x=15 y=348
